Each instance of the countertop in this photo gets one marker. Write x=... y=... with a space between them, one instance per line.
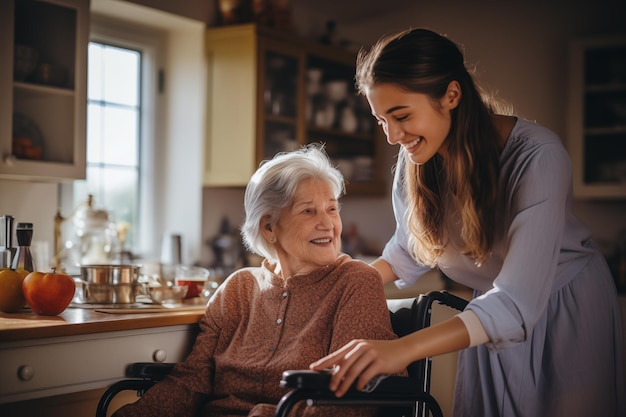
x=25 y=324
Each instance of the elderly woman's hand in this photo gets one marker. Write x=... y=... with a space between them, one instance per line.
x=363 y=359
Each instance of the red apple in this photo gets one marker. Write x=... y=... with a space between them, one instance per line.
x=48 y=294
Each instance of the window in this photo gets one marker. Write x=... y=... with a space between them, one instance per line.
x=113 y=136
x=123 y=67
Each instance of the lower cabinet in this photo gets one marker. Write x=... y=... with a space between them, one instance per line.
x=38 y=368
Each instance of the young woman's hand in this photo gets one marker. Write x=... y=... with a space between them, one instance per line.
x=362 y=359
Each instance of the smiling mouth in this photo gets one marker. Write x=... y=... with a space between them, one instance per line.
x=326 y=240
x=409 y=146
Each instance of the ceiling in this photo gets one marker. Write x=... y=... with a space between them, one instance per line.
x=350 y=11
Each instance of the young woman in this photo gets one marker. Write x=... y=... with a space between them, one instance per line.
x=486 y=198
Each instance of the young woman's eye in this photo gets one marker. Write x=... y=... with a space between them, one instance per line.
x=401 y=118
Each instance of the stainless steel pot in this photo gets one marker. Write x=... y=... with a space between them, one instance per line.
x=94 y=293
x=110 y=274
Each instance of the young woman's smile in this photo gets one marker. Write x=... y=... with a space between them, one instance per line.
x=412 y=120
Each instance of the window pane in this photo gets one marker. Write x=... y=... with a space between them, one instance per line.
x=94 y=74
x=121 y=75
x=94 y=134
x=119 y=135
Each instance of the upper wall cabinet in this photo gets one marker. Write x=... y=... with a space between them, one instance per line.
x=43 y=83
x=271 y=92
x=597 y=117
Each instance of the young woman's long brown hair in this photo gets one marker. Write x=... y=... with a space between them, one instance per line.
x=468 y=177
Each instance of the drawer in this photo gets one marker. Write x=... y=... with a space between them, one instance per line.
x=52 y=366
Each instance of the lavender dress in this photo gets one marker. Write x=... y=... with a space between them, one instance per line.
x=545 y=296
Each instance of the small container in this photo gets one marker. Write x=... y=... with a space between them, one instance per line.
x=7 y=250
x=50 y=74
x=23 y=258
x=193 y=277
x=167 y=295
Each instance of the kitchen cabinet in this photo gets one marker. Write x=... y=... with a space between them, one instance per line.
x=43 y=84
x=597 y=117
x=271 y=92
x=82 y=349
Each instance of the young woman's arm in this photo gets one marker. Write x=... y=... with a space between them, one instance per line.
x=362 y=360
x=385 y=271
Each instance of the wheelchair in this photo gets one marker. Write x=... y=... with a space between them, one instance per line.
x=394 y=395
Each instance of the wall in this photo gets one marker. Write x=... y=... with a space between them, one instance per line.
x=519 y=50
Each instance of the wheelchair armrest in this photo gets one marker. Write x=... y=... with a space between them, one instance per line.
x=153 y=371
x=305 y=379
x=312 y=386
x=318 y=380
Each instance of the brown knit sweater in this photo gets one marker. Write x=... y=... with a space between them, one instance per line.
x=255 y=327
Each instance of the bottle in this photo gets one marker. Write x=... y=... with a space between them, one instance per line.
x=23 y=257
x=7 y=251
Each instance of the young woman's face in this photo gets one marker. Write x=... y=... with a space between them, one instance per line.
x=413 y=120
x=308 y=232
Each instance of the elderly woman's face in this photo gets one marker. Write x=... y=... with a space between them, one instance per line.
x=308 y=233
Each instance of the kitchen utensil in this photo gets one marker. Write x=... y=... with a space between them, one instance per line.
x=23 y=258
x=7 y=251
x=171 y=249
x=110 y=274
x=96 y=236
x=105 y=293
x=167 y=295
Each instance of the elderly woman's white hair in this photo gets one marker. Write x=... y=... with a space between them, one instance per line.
x=273 y=186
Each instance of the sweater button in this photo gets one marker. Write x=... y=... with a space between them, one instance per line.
x=279 y=321
x=285 y=294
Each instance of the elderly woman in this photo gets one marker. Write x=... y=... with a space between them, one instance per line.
x=305 y=301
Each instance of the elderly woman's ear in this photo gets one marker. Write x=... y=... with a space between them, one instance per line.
x=267 y=229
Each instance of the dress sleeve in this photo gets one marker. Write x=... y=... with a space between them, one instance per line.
x=363 y=312
x=186 y=388
x=537 y=204
x=396 y=251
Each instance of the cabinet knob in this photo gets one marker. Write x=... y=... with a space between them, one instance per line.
x=159 y=355
x=10 y=160
x=26 y=372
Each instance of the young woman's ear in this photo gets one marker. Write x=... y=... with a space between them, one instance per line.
x=453 y=95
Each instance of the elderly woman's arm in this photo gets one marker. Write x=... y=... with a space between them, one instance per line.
x=182 y=392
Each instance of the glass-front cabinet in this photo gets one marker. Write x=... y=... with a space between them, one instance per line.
x=597 y=117
x=271 y=92
x=43 y=88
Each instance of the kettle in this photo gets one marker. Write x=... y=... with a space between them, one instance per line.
x=94 y=239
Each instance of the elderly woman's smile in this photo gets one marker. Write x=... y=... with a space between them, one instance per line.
x=308 y=233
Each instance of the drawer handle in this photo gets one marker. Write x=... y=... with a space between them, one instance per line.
x=26 y=372
x=159 y=355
